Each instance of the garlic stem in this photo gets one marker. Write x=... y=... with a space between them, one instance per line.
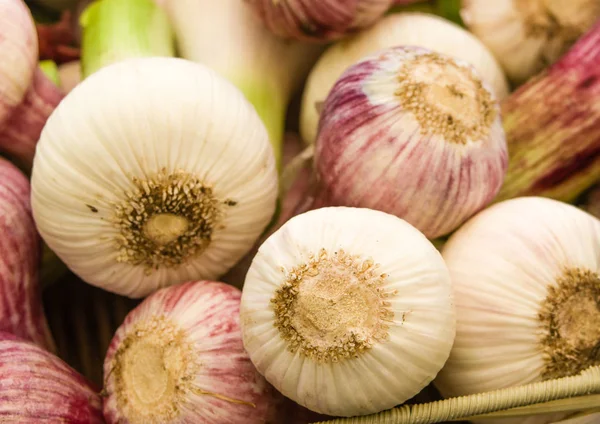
x=114 y=30
x=267 y=69
x=552 y=125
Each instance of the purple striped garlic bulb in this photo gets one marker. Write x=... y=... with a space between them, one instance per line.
x=413 y=133
x=179 y=358
x=318 y=20
x=21 y=309
x=38 y=387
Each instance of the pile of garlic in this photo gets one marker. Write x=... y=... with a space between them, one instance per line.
x=423 y=239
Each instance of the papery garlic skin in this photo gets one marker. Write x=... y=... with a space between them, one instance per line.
x=408 y=29
x=179 y=358
x=355 y=274
x=318 y=20
x=119 y=141
x=38 y=387
x=422 y=129
x=21 y=308
x=528 y=35
x=510 y=265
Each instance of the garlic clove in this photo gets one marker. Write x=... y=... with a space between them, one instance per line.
x=526 y=286
x=317 y=20
x=179 y=358
x=409 y=29
x=528 y=35
x=21 y=308
x=347 y=311
x=138 y=185
x=39 y=387
x=420 y=126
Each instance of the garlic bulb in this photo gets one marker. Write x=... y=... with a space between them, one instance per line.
x=527 y=290
x=138 y=185
x=38 y=387
x=115 y=30
x=409 y=29
x=318 y=20
x=347 y=311
x=528 y=35
x=422 y=128
x=179 y=358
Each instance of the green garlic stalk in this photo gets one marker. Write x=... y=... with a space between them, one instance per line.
x=226 y=36
x=114 y=30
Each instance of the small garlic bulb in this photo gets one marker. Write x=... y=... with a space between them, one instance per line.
x=179 y=358
x=138 y=185
x=527 y=294
x=528 y=35
x=347 y=311
x=318 y=20
x=420 y=127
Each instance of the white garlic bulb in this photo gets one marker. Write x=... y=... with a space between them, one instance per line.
x=527 y=294
x=347 y=311
x=528 y=35
x=153 y=171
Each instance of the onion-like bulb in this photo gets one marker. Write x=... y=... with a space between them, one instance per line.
x=525 y=274
x=413 y=133
x=138 y=185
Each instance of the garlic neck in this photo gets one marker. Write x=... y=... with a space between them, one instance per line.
x=333 y=307
x=569 y=317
